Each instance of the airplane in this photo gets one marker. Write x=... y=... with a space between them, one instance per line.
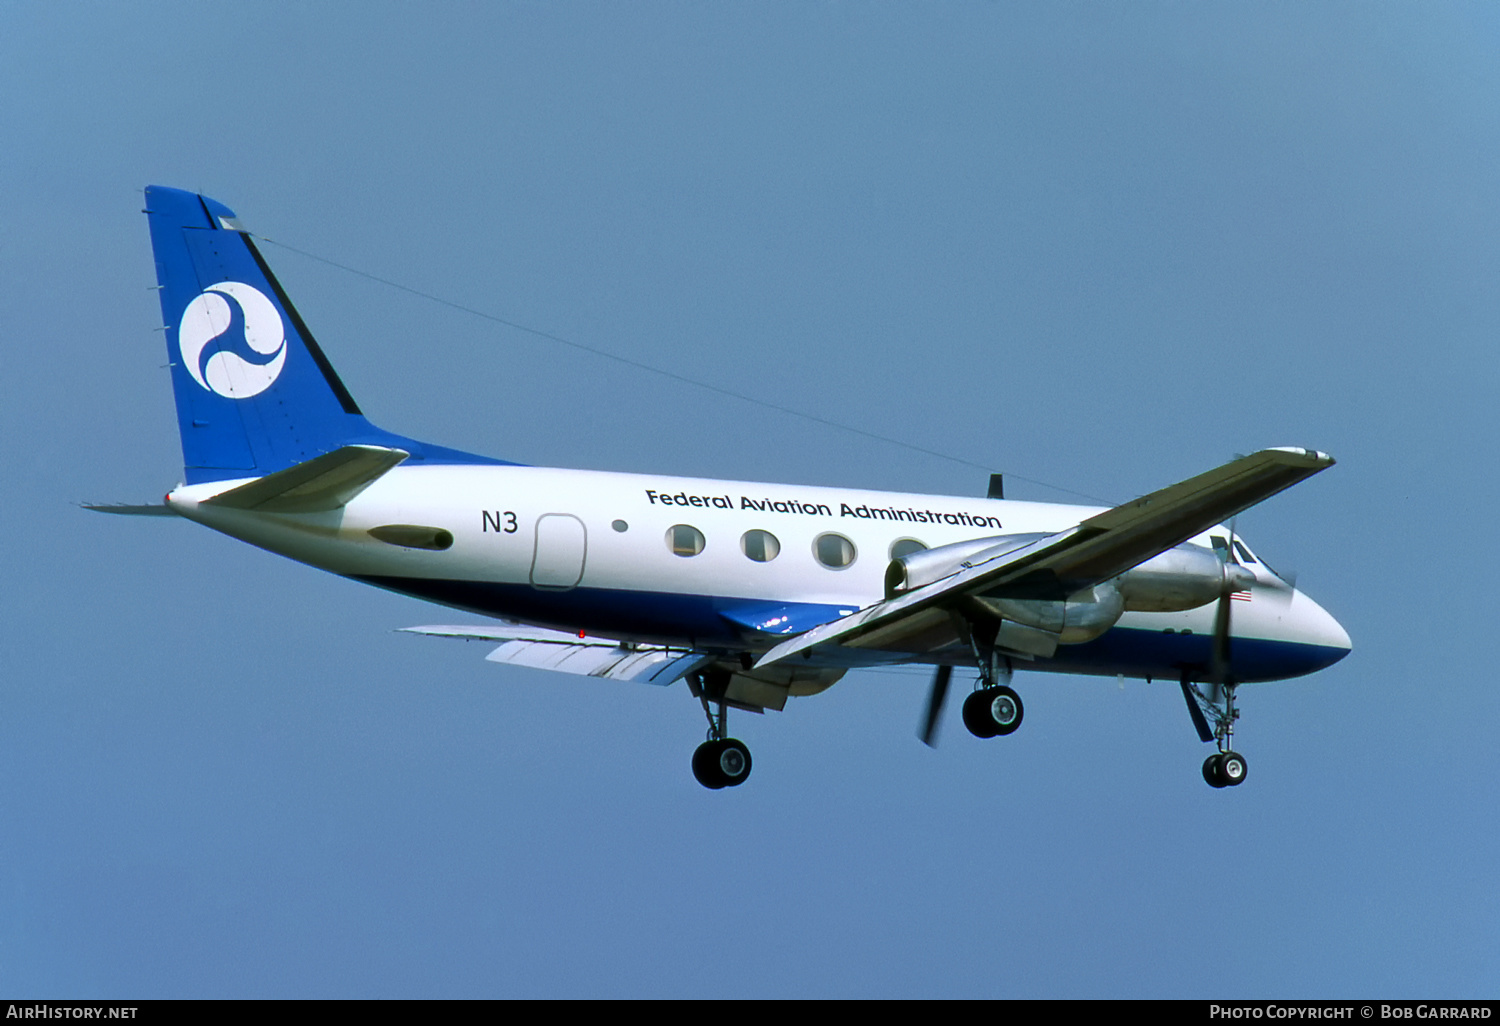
x=750 y=593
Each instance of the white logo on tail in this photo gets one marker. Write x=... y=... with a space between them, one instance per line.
x=227 y=373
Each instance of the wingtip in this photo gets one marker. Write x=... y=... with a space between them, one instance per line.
x=1314 y=456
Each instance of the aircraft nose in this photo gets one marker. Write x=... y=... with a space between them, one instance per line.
x=1314 y=625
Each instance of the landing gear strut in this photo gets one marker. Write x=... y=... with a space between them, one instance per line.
x=1226 y=767
x=994 y=709
x=720 y=761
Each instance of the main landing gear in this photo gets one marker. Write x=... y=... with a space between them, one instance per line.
x=720 y=761
x=994 y=709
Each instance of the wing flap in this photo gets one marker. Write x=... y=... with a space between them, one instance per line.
x=644 y=666
x=604 y=658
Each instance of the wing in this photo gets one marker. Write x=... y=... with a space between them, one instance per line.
x=568 y=653
x=1057 y=565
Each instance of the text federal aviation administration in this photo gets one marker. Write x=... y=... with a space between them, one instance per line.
x=821 y=509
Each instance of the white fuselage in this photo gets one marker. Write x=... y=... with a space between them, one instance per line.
x=594 y=551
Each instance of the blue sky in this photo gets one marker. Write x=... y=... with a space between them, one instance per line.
x=1099 y=246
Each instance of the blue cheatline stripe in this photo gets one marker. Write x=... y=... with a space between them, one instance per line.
x=1156 y=654
x=710 y=621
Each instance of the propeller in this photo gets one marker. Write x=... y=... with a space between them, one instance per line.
x=1219 y=659
x=1217 y=693
x=935 y=700
x=1219 y=664
x=1285 y=583
x=1220 y=679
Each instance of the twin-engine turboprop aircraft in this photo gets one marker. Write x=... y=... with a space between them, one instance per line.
x=751 y=593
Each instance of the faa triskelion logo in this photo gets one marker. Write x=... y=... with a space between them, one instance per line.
x=226 y=312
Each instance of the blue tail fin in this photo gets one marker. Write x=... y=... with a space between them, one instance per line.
x=254 y=392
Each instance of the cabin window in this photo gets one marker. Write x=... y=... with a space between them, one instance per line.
x=905 y=547
x=684 y=540
x=621 y=526
x=760 y=546
x=834 y=551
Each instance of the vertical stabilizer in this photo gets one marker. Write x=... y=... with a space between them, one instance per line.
x=254 y=392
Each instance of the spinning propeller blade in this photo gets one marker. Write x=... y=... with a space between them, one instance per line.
x=1219 y=661
x=935 y=700
x=1220 y=672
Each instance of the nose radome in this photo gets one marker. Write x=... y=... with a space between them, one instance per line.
x=1316 y=626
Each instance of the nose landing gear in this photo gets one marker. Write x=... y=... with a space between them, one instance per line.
x=1226 y=767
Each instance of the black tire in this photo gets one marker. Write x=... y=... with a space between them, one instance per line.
x=993 y=712
x=706 y=765
x=976 y=716
x=733 y=762
x=1232 y=769
x=1211 y=771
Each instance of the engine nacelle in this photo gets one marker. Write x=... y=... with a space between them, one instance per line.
x=916 y=569
x=1083 y=616
x=1181 y=578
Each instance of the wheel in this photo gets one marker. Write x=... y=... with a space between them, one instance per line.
x=1232 y=769
x=1211 y=771
x=723 y=763
x=992 y=712
x=706 y=765
x=733 y=762
x=1005 y=710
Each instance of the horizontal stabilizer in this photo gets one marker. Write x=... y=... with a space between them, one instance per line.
x=568 y=653
x=322 y=483
x=125 y=509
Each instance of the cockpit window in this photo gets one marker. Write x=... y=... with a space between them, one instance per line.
x=1221 y=549
x=1239 y=547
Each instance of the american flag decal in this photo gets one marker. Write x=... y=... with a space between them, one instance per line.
x=1240 y=596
